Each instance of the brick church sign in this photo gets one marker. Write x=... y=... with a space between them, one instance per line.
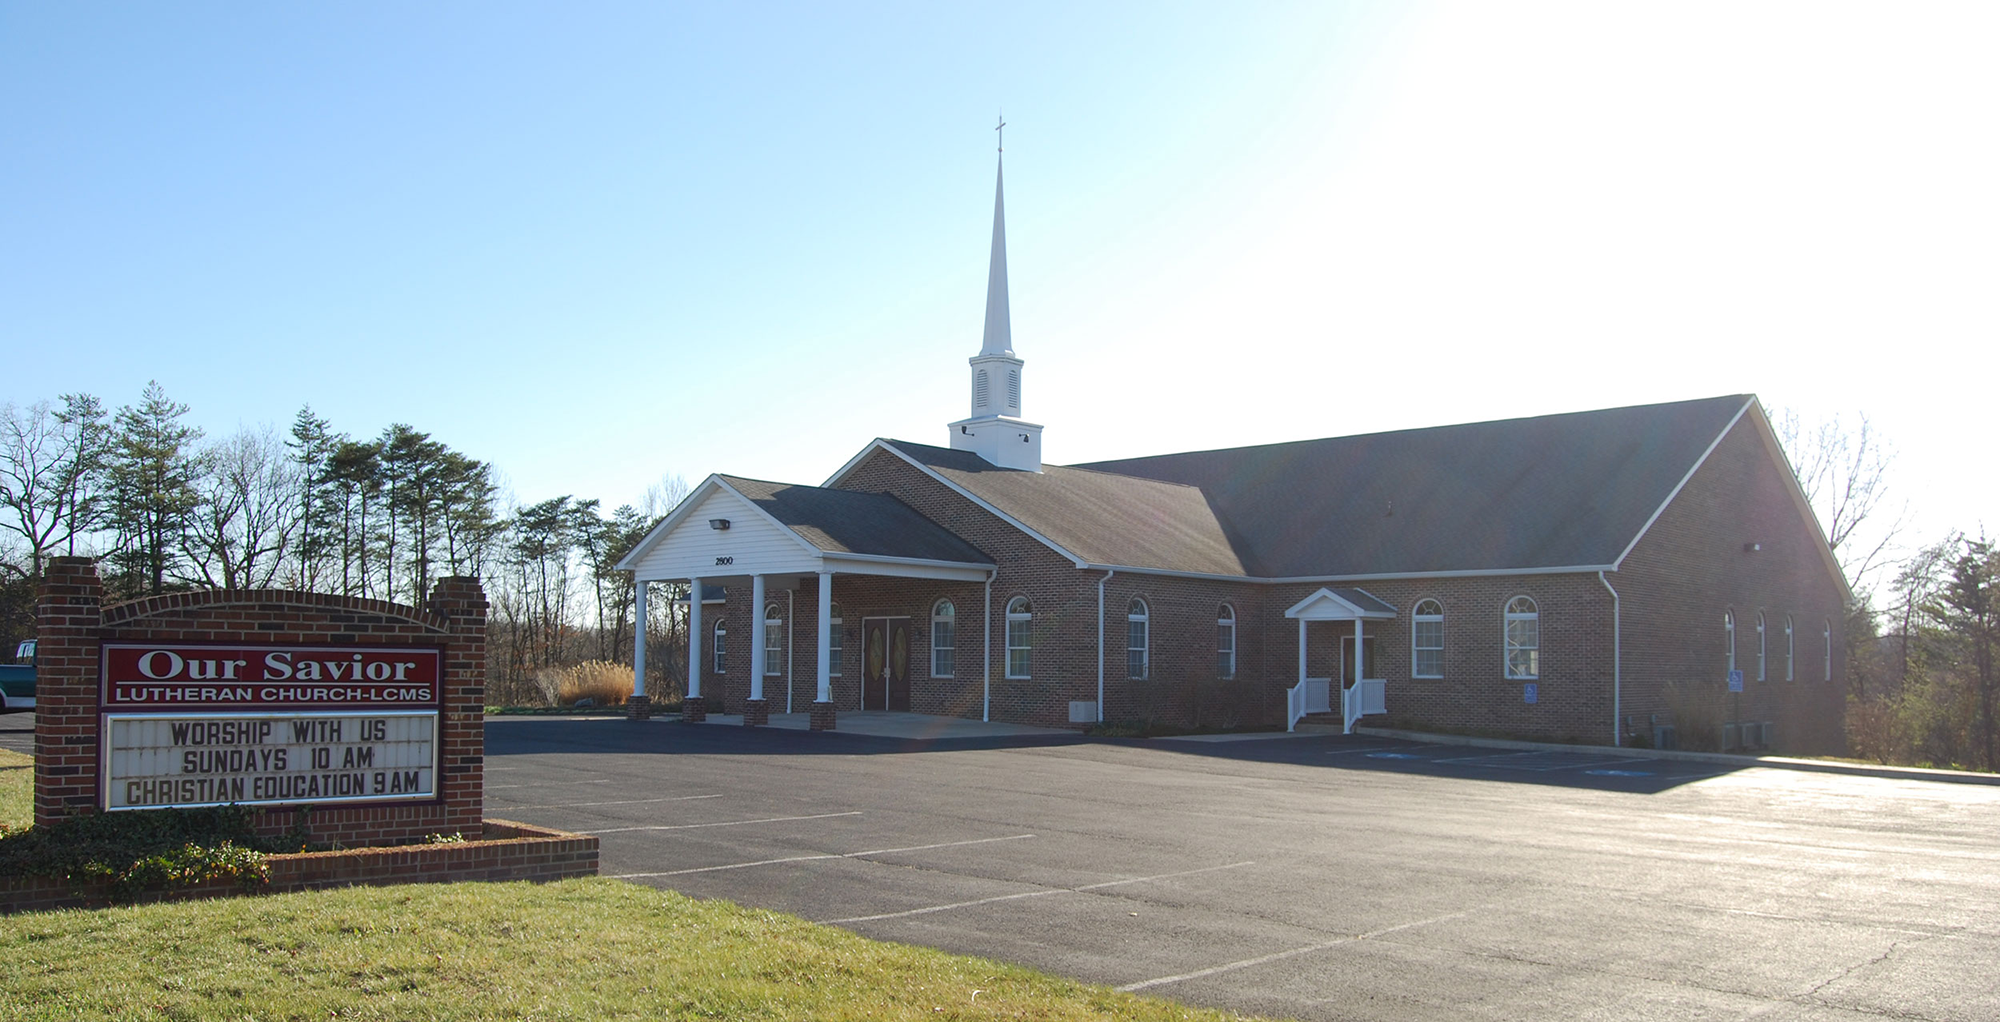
x=368 y=711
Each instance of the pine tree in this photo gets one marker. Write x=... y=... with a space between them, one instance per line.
x=153 y=467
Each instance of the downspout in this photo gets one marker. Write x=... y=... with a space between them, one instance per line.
x=791 y=632
x=1617 y=732
x=986 y=644
x=1108 y=572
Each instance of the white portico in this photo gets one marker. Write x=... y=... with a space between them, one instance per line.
x=1315 y=695
x=776 y=537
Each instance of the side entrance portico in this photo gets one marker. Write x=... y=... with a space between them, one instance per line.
x=736 y=534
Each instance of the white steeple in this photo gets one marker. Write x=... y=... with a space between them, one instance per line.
x=995 y=430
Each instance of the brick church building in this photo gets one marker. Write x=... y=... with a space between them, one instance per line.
x=1581 y=577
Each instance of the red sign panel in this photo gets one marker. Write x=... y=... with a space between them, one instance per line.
x=168 y=677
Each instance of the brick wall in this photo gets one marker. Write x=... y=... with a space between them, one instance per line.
x=1692 y=568
x=73 y=622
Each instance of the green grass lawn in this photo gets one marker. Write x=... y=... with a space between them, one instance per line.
x=17 y=790
x=577 y=949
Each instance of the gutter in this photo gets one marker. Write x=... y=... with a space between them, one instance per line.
x=1617 y=732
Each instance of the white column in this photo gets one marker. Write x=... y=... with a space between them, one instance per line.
x=825 y=636
x=757 y=637
x=1302 y=651
x=638 y=639
x=694 y=638
x=1357 y=656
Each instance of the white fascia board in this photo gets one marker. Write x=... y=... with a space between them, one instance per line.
x=659 y=532
x=905 y=567
x=880 y=444
x=1698 y=463
x=1329 y=596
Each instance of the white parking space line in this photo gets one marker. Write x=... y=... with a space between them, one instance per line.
x=1030 y=894
x=1281 y=955
x=548 y=784
x=725 y=823
x=620 y=802
x=1584 y=766
x=829 y=855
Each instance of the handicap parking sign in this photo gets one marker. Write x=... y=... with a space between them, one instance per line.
x=1529 y=693
x=1735 y=681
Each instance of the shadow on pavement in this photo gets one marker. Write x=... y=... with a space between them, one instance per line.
x=1585 y=770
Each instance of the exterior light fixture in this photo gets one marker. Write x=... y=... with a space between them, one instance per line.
x=719 y=524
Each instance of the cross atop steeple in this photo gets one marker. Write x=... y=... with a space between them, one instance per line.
x=1001 y=141
x=995 y=429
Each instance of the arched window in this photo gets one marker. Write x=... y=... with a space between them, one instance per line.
x=774 y=641
x=944 y=639
x=1761 y=645
x=1828 y=661
x=1136 y=636
x=721 y=661
x=1729 y=636
x=1427 y=640
x=1225 y=642
x=1020 y=636
x=1523 y=628
x=833 y=643
x=982 y=390
x=1789 y=648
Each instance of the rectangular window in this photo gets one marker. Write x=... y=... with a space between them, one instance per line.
x=944 y=657
x=1018 y=639
x=1427 y=648
x=1135 y=649
x=833 y=648
x=1524 y=654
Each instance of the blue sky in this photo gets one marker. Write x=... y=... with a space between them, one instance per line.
x=601 y=243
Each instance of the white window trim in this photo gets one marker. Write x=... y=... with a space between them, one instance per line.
x=1138 y=612
x=1791 y=649
x=1027 y=617
x=1763 y=647
x=950 y=648
x=718 y=656
x=1507 y=647
x=1415 y=619
x=774 y=641
x=835 y=642
x=1729 y=637
x=1225 y=621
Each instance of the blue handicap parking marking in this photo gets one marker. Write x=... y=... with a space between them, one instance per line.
x=1393 y=755
x=1620 y=773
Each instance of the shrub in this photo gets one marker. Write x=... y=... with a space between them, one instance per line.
x=1875 y=730
x=144 y=850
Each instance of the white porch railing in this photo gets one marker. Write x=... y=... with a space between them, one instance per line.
x=1313 y=695
x=1369 y=695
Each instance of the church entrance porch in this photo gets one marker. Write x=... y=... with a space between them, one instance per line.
x=1359 y=694
x=885 y=664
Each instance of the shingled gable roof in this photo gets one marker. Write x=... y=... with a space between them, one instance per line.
x=1553 y=491
x=1094 y=517
x=852 y=522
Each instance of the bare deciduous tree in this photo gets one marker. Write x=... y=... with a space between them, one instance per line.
x=51 y=462
x=1843 y=467
x=241 y=532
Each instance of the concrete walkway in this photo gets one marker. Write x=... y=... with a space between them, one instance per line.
x=883 y=724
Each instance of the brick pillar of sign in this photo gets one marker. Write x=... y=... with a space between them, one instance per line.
x=639 y=707
x=462 y=727
x=693 y=710
x=69 y=610
x=756 y=712
x=822 y=717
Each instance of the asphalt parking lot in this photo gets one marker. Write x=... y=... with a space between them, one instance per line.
x=1323 y=877
x=17 y=731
